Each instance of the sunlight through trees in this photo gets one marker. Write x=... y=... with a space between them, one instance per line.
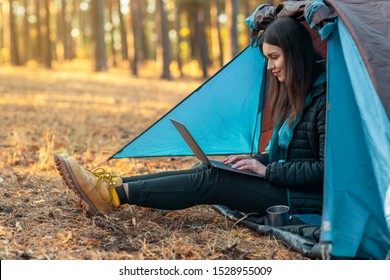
x=164 y=34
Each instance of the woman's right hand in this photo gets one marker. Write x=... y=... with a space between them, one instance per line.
x=234 y=158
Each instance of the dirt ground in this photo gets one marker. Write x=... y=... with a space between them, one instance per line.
x=91 y=116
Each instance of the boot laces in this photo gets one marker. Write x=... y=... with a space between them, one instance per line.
x=109 y=178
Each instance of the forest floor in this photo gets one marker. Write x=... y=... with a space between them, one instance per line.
x=91 y=116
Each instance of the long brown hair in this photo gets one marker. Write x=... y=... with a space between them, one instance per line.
x=301 y=67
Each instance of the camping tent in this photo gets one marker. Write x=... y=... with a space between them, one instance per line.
x=226 y=116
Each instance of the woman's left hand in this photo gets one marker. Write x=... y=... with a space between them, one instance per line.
x=250 y=164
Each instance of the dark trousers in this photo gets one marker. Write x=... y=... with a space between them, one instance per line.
x=175 y=190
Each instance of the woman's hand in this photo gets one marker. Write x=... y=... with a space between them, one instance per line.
x=245 y=162
x=235 y=158
x=250 y=165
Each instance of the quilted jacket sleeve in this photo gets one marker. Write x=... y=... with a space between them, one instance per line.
x=303 y=173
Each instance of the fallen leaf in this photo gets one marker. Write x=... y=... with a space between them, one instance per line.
x=18 y=226
x=39 y=203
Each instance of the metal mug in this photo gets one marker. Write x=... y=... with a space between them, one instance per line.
x=278 y=215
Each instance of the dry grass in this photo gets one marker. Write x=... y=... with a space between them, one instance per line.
x=91 y=116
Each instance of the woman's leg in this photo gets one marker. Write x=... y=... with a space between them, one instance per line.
x=183 y=189
x=163 y=174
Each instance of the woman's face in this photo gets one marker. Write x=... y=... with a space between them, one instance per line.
x=275 y=59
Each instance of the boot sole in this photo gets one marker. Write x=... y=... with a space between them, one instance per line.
x=66 y=173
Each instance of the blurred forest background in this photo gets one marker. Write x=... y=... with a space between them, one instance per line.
x=168 y=36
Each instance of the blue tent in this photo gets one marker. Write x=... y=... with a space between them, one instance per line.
x=226 y=116
x=204 y=111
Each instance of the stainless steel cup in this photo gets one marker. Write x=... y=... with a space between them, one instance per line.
x=278 y=215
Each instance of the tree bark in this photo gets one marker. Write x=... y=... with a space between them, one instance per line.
x=47 y=57
x=192 y=11
x=164 y=41
x=113 y=50
x=247 y=8
x=202 y=38
x=64 y=31
x=216 y=37
x=135 y=21
x=178 y=41
x=26 y=33
x=97 y=9
x=233 y=27
x=143 y=53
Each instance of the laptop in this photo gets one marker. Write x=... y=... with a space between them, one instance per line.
x=199 y=154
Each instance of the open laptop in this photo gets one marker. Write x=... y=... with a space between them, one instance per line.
x=198 y=152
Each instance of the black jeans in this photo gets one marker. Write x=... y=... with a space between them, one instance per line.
x=175 y=190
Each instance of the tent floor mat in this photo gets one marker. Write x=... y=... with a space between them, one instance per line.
x=301 y=235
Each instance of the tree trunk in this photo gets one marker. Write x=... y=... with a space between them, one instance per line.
x=216 y=37
x=192 y=11
x=113 y=51
x=164 y=41
x=26 y=33
x=64 y=31
x=143 y=53
x=233 y=27
x=135 y=31
x=178 y=41
x=97 y=9
x=124 y=47
x=247 y=8
x=47 y=57
x=139 y=37
x=66 y=26
x=15 y=59
x=202 y=39
x=58 y=41
x=39 y=33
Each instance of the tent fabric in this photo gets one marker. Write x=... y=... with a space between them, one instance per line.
x=320 y=17
x=368 y=22
x=226 y=116
x=211 y=115
x=355 y=147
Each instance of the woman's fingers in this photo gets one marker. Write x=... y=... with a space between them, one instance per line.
x=235 y=158
x=241 y=164
x=250 y=165
x=227 y=159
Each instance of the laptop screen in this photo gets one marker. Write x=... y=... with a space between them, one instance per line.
x=190 y=141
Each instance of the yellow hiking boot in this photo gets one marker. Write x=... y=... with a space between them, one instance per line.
x=95 y=188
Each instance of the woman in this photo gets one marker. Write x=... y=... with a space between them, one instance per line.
x=291 y=173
